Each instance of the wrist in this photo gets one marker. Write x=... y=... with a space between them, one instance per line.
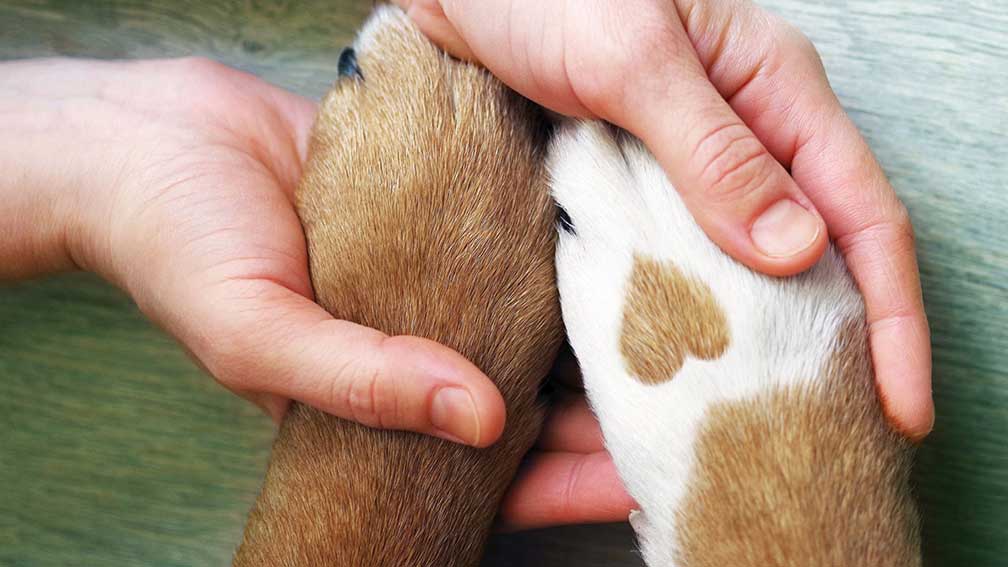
x=34 y=208
x=58 y=176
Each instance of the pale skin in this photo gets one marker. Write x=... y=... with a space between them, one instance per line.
x=174 y=180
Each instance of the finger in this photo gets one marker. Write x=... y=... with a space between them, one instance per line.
x=429 y=16
x=898 y=329
x=565 y=488
x=873 y=232
x=282 y=119
x=298 y=113
x=776 y=82
x=520 y=41
x=737 y=191
x=646 y=77
x=259 y=336
x=571 y=427
x=776 y=86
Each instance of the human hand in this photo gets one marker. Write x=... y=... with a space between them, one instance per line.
x=736 y=106
x=174 y=180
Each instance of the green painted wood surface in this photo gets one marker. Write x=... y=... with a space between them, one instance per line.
x=116 y=450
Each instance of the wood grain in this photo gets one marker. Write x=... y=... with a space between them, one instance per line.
x=116 y=450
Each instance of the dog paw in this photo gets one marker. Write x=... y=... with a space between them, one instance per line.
x=672 y=336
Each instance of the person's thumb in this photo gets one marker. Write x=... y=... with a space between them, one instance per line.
x=256 y=336
x=644 y=75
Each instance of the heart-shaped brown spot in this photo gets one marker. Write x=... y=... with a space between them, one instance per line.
x=668 y=316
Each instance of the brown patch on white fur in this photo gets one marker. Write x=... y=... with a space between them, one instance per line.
x=667 y=317
x=804 y=476
x=426 y=211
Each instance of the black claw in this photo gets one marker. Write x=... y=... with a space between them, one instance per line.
x=347 y=65
x=564 y=221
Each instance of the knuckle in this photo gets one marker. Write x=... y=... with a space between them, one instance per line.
x=734 y=163
x=901 y=217
x=200 y=65
x=893 y=231
x=794 y=40
x=570 y=497
x=367 y=399
x=902 y=225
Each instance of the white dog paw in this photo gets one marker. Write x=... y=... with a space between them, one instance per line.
x=726 y=397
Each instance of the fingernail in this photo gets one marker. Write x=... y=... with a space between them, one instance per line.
x=785 y=229
x=453 y=412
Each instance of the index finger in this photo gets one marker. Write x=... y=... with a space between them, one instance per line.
x=558 y=488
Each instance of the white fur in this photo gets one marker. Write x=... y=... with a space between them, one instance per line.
x=782 y=330
x=384 y=16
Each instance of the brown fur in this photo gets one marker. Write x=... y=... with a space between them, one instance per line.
x=667 y=317
x=426 y=211
x=844 y=498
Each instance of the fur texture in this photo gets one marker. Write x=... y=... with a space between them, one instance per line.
x=655 y=340
x=764 y=447
x=426 y=211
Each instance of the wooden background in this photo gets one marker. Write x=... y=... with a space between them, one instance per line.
x=116 y=450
